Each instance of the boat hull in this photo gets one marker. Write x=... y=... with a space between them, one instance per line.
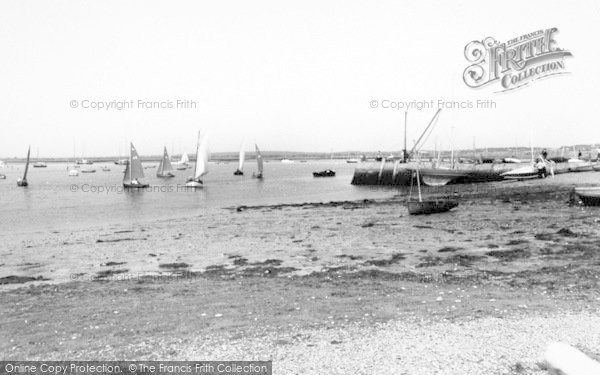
x=522 y=173
x=22 y=183
x=165 y=175
x=238 y=173
x=589 y=196
x=430 y=207
x=328 y=173
x=194 y=185
x=133 y=185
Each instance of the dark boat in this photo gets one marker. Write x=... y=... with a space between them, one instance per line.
x=589 y=196
x=430 y=206
x=23 y=181
x=325 y=173
x=238 y=172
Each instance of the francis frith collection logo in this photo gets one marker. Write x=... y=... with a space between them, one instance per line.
x=515 y=63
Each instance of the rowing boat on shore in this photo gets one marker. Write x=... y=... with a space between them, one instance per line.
x=589 y=196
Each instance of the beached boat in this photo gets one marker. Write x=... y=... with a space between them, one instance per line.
x=201 y=166
x=259 y=164
x=325 y=173
x=430 y=206
x=84 y=161
x=512 y=160
x=242 y=157
x=23 y=181
x=522 y=173
x=589 y=196
x=134 y=172
x=440 y=176
x=165 y=169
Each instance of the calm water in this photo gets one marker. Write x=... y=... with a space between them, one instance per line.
x=56 y=201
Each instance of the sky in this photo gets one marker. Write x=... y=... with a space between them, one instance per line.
x=287 y=75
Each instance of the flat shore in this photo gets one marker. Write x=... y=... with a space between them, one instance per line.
x=340 y=287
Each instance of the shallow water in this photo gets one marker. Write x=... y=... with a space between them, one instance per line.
x=55 y=201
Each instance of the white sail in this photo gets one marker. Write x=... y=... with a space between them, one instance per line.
x=165 y=163
x=201 y=157
x=259 y=160
x=27 y=164
x=242 y=158
x=134 y=170
x=184 y=159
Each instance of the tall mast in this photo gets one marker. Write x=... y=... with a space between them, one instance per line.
x=404 y=151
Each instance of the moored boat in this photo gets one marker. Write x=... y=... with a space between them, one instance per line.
x=325 y=173
x=428 y=207
x=589 y=196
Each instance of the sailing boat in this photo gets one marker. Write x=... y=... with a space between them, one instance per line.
x=134 y=172
x=165 y=168
x=2 y=175
x=182 y=164
x=427 y=207
x=239 y=171
x=38 y=163
x=23 y=181
x=259 y=163
x=201 y=167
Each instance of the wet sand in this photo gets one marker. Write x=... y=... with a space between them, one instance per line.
x=282 y=282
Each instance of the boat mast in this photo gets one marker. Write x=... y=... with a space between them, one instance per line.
x=404 y=151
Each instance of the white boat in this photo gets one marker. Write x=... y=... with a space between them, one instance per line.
x=134 y=172
x=201 y=166
x=73 y=172
x=352 y=161
x=512 y=160
x=259 y=163
x=287 y=161
x=522 y=173
x=182 y=164
x=578 y=165
x=165 y=169
x=23 y=181
x=39 y=164
x=242 y=157
x=2 y=175
x=84 y=161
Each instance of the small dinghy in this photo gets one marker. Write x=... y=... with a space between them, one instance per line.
x=134 y=172
x=325 y=173
x=589 y=196
x=165 y=168
x=431 y=206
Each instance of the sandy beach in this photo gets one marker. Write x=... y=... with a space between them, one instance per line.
x=337 y=287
